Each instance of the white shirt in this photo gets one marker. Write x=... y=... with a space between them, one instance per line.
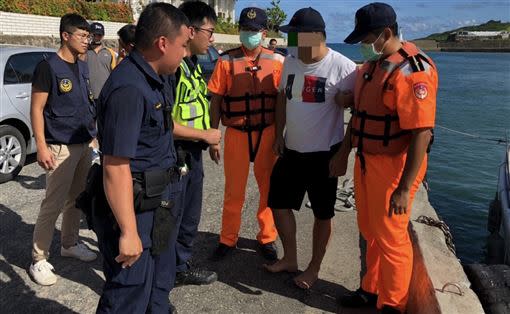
x=314 y=121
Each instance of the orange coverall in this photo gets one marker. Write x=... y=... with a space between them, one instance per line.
x=237 y=164
x=389 y=255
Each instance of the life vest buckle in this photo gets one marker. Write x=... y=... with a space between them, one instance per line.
x=253 y=68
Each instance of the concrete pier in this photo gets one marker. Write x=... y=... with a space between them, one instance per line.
x=243 y=285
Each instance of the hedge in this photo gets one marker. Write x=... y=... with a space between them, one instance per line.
x=101 y=11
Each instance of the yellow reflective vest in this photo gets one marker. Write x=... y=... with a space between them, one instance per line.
x=191 y=106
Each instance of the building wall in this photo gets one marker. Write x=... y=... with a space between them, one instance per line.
x=38 y=25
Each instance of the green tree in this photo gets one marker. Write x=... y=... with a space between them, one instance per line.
x=275 y=16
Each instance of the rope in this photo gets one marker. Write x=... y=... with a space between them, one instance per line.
x=475 y=136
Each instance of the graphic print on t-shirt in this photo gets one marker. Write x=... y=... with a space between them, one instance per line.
x=314 y=89
x=288 y=88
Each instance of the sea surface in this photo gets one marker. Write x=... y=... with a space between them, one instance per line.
x=473 y=98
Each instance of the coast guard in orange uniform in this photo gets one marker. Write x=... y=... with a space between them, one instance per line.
x=393 y=115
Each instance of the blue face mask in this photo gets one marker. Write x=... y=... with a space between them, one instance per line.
x=250 y=40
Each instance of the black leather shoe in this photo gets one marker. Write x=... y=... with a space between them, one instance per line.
x=269 y=251
x=195 y=276
x=358 y=298
x=390 y=310
x=221 y=251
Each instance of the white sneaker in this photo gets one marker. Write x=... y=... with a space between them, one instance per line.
x=42 y=272
x=79 y=251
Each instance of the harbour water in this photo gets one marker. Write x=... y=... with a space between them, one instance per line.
x=473 y=98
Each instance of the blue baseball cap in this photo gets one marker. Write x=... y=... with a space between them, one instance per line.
x=371 y=17
x=254 y=18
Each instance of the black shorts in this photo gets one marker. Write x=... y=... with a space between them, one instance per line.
x=296 y=173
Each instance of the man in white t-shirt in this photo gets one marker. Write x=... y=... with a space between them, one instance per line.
x=313 y=88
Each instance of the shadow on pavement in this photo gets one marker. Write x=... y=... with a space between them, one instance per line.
x=17 y=297
x=16 y=239
x=243 y=271
x=32 y=183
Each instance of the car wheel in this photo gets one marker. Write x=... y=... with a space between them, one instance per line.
x=13 y=151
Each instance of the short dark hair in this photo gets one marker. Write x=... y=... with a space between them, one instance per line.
x=272 y=39
x=197 y=11
x=393 y=28
x=69 y=22
x=127 y=34
x=158 y=19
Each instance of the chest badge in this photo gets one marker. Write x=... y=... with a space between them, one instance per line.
x=158 y=106
x=65 y=85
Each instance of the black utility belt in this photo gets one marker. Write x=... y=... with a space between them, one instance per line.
x=191 y=146
x=148 y=187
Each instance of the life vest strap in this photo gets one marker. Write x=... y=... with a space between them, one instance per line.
x=384 y=138
x=367 y=116
x=228 y=98
x=245 y=113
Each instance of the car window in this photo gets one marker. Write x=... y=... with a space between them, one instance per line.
x=20 y=67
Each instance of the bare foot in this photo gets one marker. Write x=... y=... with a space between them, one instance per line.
x=306 y=279
x=282 y=265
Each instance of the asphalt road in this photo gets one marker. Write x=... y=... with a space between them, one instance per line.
x=243 y=285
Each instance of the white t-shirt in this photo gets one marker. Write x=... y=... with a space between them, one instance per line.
x=314 y=121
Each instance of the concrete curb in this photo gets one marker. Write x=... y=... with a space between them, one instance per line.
x=434 y=267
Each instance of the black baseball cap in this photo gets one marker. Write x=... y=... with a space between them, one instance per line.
x=306 y=20
x=97 y=29
x=252 y=17
x=371 y=17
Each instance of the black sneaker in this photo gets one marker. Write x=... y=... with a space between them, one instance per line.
x=221 y=251
x=390 y=310
x=269 y=251
x=358 y=298
x=195 y=276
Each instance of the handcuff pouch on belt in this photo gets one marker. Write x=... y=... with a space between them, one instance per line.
x=148 y=188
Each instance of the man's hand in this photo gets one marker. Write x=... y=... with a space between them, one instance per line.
x=214 y=152
x=46 y=159
x=338 y=164
x=212 y=136
x=130 y=249
x=344 y=99
x=398 y=201
x=278 y=146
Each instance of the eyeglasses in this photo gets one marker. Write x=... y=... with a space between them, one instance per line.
x=82 y=36
x=209 y=31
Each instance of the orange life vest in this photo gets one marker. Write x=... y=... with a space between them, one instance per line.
x=249 y=102
x=375 y=129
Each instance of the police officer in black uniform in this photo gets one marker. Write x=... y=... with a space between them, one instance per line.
x=135 y=133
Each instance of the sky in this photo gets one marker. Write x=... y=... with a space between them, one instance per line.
x=416 y=18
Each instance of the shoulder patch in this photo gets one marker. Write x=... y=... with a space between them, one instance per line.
x=420 y=90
